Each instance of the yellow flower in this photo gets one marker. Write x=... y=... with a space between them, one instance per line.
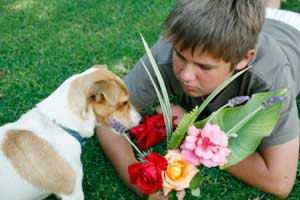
x=178 y=174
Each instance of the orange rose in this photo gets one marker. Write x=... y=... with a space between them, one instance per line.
x=178 y=174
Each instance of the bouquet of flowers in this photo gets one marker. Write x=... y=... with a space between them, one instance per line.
x=222 y=139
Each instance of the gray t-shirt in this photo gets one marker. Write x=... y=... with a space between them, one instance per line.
x=276 y=65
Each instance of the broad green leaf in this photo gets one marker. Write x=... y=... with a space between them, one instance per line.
x=250 y=134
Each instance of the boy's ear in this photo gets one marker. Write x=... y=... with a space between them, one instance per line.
x=243 y=63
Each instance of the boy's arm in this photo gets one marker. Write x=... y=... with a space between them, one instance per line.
x=273 y=170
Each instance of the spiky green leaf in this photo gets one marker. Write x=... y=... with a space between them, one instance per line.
x=184 y=124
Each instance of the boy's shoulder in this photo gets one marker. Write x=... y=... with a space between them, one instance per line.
x=277 y=52
x=162 y=50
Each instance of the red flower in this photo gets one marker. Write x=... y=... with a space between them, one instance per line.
x=158 y=160
x=151 y=131
x=147 y=175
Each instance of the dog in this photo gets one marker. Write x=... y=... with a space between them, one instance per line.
x=40 y=152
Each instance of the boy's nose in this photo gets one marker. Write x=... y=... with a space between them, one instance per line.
x=187 y=74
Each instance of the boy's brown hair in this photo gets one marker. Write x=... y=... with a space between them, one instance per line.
x=225 y=29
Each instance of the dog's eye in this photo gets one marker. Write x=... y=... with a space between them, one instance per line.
x=125 y=103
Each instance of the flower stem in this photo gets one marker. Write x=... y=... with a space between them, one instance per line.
x=243 y=121
x=214 y=114
x=132 y=144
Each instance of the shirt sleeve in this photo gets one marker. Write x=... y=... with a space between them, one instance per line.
x=137 y=80
x=287 y=127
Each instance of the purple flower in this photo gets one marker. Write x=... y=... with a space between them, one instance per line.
x=238 y=100
x=271 y=101
x=120 y=128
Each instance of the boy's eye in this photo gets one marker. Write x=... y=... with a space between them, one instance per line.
x=204 y=67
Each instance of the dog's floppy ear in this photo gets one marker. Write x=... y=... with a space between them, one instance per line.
x=107 y=89
x=96 y=83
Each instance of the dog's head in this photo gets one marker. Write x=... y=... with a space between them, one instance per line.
x=101 y=93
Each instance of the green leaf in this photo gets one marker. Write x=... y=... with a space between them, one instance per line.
x=196 y=181
x=219 y=89
x=145 y=197
x=250 y=133
x=172 y=195
x=164 y=102
x=186 y=121
x=161 y=100
x=195 y=192
x=189 y=119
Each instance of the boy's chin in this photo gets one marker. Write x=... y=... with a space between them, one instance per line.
x=195 y=94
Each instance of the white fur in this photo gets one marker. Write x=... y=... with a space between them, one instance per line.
x=58 y=102
x=42 y=120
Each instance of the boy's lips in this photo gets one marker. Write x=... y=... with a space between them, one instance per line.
x=187 y=87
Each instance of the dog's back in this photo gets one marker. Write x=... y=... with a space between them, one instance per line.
x=40 y=153
x=30 y=161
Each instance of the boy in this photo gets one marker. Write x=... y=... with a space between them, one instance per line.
x=203 y=44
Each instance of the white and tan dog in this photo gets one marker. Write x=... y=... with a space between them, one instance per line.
x=39 y=153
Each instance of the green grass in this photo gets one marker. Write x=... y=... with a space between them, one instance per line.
x=43 y=42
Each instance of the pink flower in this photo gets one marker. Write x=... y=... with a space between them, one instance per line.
x=207 y=146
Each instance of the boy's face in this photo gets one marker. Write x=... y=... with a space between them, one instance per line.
x=199 y=73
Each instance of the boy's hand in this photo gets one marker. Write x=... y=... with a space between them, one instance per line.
x=176 y=111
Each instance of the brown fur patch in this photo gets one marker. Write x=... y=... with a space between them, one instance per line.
x=83 y=87
x=37 y=162
x=103 y=90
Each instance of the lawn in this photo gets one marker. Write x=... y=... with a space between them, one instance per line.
x=44 y=42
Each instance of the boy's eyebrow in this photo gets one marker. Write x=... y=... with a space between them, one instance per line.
x=205 y=65
x=177 y=52
x=208 y=66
